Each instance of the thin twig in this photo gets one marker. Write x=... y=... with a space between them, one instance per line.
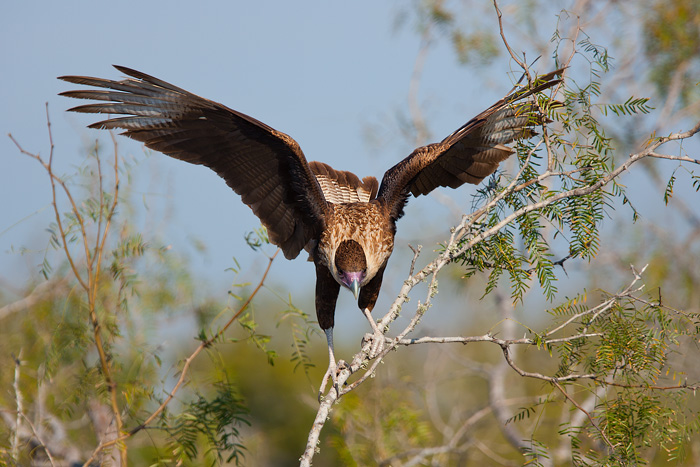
x=40 y=440
x=74 y=206
x=590 y=418
x=185 y=368
x=94 y=280
x=102 y=197
x=55 y=179
x=520 y=63
x=675 y=158
x=416 y=252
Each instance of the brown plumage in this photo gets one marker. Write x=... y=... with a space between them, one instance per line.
x=346 y=224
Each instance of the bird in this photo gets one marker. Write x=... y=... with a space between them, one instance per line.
x=346 y=224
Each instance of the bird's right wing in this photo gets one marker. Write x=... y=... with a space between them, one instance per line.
x=266 y=167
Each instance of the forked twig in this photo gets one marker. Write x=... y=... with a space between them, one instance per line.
x=520 y=63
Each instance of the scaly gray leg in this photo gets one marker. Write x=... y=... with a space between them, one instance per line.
x=332 y=371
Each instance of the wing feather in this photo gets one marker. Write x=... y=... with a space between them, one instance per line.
x=471 y=153
x=266 y=167
x=343 y=187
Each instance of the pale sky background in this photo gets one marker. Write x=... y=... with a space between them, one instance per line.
x=323 y=72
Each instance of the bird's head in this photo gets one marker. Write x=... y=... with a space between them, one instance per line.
x=351 y=266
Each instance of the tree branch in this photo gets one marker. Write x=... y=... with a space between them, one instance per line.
x=452 y=251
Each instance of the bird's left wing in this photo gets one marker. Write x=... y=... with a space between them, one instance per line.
x=266 y=167
x=471 y=153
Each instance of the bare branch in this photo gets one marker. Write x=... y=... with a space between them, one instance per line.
x=55 y=179
x=521 y=63
x=675 y=158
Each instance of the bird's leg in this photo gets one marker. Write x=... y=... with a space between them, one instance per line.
x=378 y=338
x=332 y=371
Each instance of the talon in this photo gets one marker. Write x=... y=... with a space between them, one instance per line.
x=376 y=343
x=377 y=337
x=332 y=374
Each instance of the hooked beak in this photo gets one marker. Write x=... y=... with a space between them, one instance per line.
x=352 y=281
x=355 y=287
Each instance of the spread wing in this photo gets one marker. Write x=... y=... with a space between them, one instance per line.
x=471 y=153
x=266 y=167
x=343 y=187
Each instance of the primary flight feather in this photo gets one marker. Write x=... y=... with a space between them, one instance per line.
x=346 y=224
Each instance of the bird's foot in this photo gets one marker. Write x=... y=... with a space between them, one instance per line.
x=376 y=338
x=376 y=342
x=331 y=374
